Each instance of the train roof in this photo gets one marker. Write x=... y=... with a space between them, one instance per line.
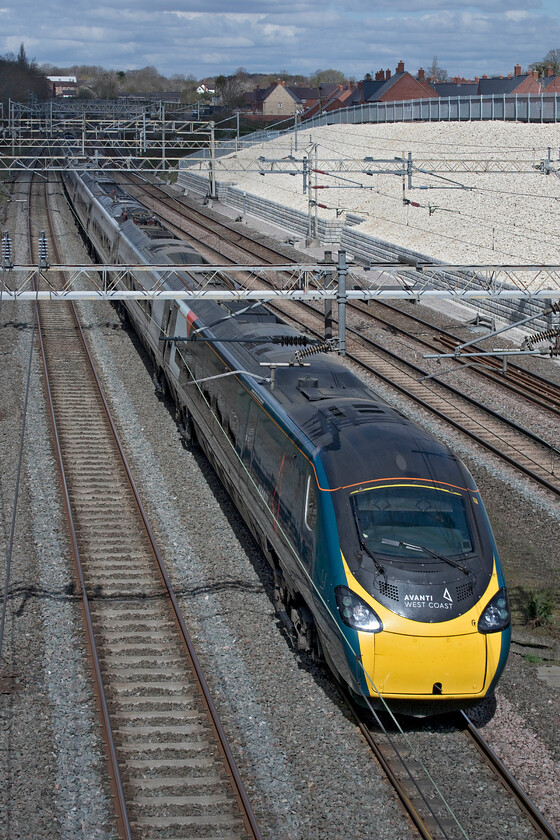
x=360 y=437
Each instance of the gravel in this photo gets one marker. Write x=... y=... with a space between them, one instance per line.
x=499 y=217
x=290 y=735
x=52 y=772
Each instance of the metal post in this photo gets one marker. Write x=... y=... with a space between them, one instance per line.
x=13 y=125
x=163 y=137
x=212 y=170
x=316 y=221
x=341 y=300
x=295 y=131
x=328 y=301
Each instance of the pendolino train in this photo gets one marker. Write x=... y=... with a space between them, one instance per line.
x=383 y=557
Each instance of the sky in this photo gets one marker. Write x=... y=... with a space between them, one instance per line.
x=208 y=37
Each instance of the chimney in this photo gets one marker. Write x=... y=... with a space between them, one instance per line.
x=485 y=76
x=421 y=74
x=509 y=75
x=400 y=67
x=283 y=83
x=476 y=79
x=517 y=70
x=535 y=74
x=380 y=76
x=550 y=71
x=500 y=77
x=387 y=74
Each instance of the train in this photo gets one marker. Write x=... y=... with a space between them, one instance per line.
x=385 y=566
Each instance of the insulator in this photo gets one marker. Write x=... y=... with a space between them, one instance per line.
x=43 y=251
x=542 y=336
x=554 y=306
x=290 y=340
x=6 y=250
x=310 y=351
x=554 y=351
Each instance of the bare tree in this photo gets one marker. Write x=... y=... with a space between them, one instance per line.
x=437 y=73
x=551 y=59
x=326 y=77
x=232 y=88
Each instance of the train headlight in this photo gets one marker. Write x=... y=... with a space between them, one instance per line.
x=496 y=616
x=355 y=612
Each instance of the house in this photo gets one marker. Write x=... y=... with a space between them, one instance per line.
x=517 y=83
x=278 y=101
x=331 y=97
x=393 y=88
x=206 y=88
x=63 y=85
x=456 y=87
x=550 y=83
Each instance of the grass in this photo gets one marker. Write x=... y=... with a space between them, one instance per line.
x=533 y=658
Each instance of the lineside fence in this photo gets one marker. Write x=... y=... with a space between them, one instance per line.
x=533 y=108
x=536 y=108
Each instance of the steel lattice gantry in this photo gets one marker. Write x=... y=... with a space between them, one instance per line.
x=314 y=281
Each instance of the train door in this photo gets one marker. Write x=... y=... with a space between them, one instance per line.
x=167 y=328
x=250 y=433
x=308 y=532
x=176 y=326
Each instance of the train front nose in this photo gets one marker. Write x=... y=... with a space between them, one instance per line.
x=433 y=665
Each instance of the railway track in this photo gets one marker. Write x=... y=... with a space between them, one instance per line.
x=528 y=385
x=439 y=808
x=520 y=448
x=171 y=769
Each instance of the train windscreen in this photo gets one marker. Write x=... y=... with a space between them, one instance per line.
x=403 y=520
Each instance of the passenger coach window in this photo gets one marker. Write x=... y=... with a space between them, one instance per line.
x=310 y=505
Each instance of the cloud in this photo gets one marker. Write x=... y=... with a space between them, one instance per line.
x=207 y=38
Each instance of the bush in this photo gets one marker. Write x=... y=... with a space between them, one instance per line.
x=541 y=607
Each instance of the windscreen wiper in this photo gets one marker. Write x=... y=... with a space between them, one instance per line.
x=363 y=544
x=429 y=551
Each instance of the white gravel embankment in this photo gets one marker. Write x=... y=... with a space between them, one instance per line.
x=500 y=218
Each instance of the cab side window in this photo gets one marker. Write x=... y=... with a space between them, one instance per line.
x=310 y=515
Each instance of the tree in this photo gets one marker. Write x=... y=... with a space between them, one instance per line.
x=290 y=79
x=437 y=73
x=106 y=86
x=232 y=88
x=21 y=78
x=326 y=77
x=551 y=59
x=22 y=58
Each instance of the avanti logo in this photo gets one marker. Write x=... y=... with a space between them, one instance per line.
x=446 y=595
